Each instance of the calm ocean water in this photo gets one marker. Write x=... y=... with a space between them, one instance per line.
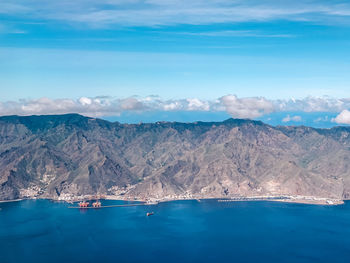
x=181 y=231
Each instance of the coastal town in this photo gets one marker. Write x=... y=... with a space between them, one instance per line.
x=122 y=194
x=276 y=198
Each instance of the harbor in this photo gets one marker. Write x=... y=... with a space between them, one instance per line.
x=107 y=206
x=97 y=204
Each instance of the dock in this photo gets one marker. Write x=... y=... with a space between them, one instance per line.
x=106 y=206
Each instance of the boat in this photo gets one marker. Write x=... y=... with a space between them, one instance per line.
x=83 y=204
x=96 y=204
x=150 y=213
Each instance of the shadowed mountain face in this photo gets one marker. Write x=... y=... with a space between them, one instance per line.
x=72 y=155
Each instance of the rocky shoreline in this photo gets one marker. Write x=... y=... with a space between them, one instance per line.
x=287 y=199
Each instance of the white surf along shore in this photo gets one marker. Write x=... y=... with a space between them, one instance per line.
x=279 y=198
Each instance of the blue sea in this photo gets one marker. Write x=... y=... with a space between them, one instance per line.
x=179 y=231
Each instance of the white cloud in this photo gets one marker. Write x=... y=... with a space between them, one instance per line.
x=172 y=106
x=196 y=104
x=85 y=101
x=246 y=107
x=342 y=118
x=132 y=104
x=288 y=118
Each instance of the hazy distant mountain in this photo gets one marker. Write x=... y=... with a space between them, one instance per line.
x=53 y=156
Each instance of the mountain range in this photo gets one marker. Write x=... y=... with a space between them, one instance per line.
x=67 y=156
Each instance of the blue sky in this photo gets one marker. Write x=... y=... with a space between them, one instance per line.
x=176 y=51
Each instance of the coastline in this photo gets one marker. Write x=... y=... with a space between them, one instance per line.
x=15 y=200
x=311 y=200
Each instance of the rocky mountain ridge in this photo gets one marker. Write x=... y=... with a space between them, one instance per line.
x=63 y=156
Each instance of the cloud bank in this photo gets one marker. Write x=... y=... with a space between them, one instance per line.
x=252 y=107
x=100 y=106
